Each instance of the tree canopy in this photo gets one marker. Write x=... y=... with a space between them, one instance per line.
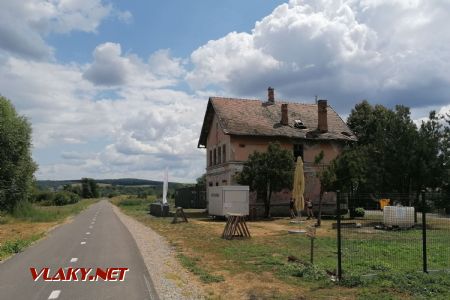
x=268 y=172
x=16 y=165
x=392 y=153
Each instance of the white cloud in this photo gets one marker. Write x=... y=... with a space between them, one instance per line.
x=25 y=24
x=126 y=118
x=386 y=51
x=163 y=64
x=143 y=125
x=108 y=67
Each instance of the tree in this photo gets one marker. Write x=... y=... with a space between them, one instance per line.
x=268 y=172
x=202 y=180
x=16 y=165
x=392 y=154
x=89 y=188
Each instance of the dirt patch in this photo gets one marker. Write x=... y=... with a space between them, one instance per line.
x=19 y=230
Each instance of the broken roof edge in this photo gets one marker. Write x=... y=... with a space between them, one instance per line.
x=328 y=138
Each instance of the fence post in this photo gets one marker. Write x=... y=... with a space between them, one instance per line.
x=339 y=250
x=424 y=233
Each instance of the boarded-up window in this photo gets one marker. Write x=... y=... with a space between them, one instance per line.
x=224 y=154
x=298 y=151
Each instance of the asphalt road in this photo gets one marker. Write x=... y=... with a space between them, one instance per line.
x=95 y=238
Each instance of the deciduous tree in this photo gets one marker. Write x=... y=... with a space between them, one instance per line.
x=16 y=165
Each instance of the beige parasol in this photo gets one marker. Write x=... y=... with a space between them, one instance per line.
x=299 y=185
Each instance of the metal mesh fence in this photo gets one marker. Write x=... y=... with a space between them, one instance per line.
x=391 y=233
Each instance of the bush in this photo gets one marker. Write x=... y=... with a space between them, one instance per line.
x=359 y=212
x=64 y=198
x=45 y=196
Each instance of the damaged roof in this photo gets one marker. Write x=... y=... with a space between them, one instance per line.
x=257 y=118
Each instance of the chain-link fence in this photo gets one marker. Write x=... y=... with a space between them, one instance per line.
x=393 y=232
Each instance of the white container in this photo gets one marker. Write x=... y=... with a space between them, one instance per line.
x=228 y=199
x=400 y=216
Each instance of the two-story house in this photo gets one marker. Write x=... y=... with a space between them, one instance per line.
x=235 y=128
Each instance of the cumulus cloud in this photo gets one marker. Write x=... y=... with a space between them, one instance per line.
x=138 y=127
x=386 y=51
x=108 y=67
x=25 y=24
x=162 y=63
x=112 y=68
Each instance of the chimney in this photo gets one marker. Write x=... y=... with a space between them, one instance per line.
x=284 y=114
x=322 y=125
x=271 y=95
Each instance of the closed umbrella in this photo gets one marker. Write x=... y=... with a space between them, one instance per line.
x=299 y=185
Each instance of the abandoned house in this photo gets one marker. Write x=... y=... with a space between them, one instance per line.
x=235 y=128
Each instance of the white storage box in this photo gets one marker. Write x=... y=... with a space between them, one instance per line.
x=228 y=199
x=400 y=216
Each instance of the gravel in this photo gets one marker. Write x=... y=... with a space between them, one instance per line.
x=170 y=279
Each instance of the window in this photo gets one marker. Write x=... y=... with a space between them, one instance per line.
x=217 y=184
x=298 y=151
x=224 y=154
x=210 y=158
x=219 y=155
x=210 y=183
x=215 y=156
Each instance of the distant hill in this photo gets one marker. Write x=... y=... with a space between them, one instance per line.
x=115 y=182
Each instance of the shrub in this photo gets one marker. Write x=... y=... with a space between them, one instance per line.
x=359 y=212
x=45 y=196
x=64 y=198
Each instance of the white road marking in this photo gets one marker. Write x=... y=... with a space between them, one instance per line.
x=83 y=243
x=74 y=259
x=88 y=232
x=148 y=287
x=54 y=294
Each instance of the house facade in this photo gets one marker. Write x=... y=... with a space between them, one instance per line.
x=235 y=128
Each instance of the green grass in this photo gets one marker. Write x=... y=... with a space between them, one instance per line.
x=191 y=265
x=391 y=258
x=16 y=246
x=29 y=212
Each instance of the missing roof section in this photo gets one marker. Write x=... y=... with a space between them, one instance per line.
x=299 y=124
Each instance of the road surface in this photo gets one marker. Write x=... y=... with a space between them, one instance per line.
x=95 y=238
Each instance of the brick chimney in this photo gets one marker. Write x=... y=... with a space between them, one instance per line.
x=284 y=114
x=322 y=124
x=271 y=95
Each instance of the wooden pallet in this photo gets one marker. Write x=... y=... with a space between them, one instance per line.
x=235 y=227
x=179 y=213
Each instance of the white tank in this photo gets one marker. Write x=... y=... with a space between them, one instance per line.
x=400 y=216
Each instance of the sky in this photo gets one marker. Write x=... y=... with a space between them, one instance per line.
x=116 y=88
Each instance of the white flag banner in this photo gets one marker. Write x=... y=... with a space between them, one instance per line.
x=165 y=185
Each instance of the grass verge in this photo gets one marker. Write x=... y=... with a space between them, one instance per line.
x=191 y=265
x=30 y=222
x=259 y=267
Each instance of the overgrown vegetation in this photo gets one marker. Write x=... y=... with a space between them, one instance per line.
x=392 y=153
x=17 y=166
x=17 y=245
x=29 y=212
